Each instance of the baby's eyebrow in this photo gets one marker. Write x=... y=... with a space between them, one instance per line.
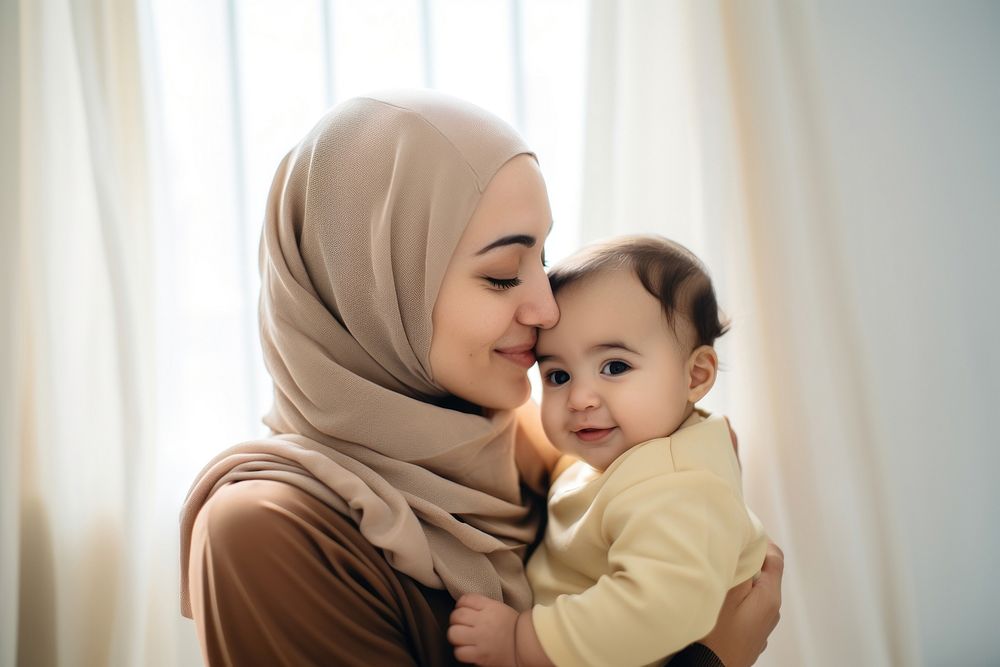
x=610 y=345
x=613 y=345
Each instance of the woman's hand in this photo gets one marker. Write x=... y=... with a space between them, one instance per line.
x=749 y=614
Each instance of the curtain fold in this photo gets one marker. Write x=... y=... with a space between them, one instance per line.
x=10 y=325
x=815 y=429
x=79 y=478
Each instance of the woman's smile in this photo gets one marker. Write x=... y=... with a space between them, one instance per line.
x=523 y=355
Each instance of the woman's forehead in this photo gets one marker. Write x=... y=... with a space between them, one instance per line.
x=514 y=209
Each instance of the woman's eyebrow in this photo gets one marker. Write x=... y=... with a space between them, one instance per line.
x=513 y=239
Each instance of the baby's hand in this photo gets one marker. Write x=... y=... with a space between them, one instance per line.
x=482 y=631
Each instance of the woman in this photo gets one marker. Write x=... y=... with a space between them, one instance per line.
x=402 y=285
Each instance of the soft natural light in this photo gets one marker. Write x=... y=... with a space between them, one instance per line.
x=241 y=83
x=833 y=163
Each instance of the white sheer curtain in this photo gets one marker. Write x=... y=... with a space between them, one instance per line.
x=836 y=165
x=139 y=141
x=10 y=207
x=78 y=382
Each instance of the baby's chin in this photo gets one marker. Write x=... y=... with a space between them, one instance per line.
x=597 y=461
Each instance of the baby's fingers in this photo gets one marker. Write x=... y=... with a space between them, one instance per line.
x=473 y=600
x=463 y=616
x=461 y=635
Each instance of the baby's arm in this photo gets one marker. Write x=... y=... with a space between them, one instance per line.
x=674 y=548
x=486 y=632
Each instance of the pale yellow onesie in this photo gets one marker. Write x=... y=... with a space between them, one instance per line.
x=636 y=561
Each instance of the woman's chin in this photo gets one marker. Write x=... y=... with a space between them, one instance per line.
x=505 y=396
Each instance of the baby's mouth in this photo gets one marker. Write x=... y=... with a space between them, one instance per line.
x=593 y=434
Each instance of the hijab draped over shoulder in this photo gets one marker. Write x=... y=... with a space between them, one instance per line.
x=362 y=219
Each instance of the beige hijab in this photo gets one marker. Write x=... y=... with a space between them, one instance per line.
x=362 y=219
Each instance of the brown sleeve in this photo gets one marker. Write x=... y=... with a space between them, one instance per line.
x=695 y=655
x=279 y=578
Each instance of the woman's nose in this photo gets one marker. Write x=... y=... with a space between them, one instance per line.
x=539 y=309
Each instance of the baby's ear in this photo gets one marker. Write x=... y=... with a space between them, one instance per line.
x=702 y=366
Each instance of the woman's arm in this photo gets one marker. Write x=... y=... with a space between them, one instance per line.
x=749 y=614
x=533 y=453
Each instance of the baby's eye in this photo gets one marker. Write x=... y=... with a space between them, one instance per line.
x=557 y=377
x=616 y=367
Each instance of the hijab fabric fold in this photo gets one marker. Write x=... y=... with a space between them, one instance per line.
x=361 y=222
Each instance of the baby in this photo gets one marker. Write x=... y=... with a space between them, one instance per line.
x=647 y=527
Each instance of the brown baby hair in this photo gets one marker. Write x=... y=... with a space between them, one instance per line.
x=668 y=271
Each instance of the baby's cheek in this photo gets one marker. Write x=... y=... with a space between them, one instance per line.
x=641 y=422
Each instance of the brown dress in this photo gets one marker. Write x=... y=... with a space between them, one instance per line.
x=278 y=578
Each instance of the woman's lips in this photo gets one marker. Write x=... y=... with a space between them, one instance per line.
x=522 y=355
x=523 y=359
x=593 y=434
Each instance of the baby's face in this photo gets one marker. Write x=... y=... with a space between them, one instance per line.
x=613 y=374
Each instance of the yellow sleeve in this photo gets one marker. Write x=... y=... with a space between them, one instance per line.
x=674 y=542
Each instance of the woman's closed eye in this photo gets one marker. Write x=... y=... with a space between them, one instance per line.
x=615 y=367
x=503 y=283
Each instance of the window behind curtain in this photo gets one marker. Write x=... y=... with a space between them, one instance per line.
x=238 y=84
